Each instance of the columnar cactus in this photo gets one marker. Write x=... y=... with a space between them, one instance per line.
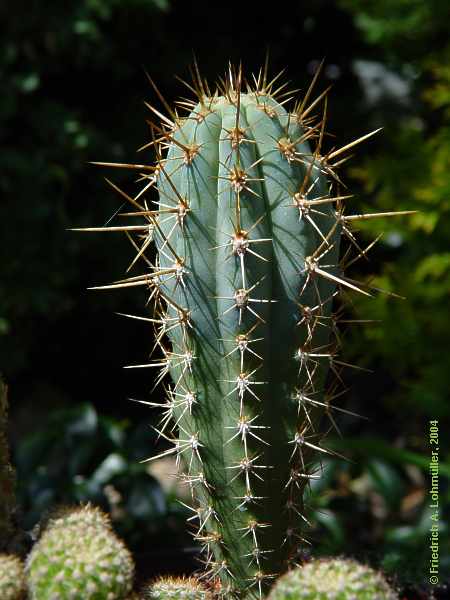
x=12 y=578
x=176 y=588
x=78 y=557
x=247 y=230
x=333 y=579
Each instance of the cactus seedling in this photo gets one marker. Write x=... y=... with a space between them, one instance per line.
x=12 y=578
x=247 y=227
x=334 y=579
x=78 y=556
x=176 y=588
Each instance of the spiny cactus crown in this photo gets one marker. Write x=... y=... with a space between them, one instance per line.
x=334 y=579
x=176 y=588
x=78 y=557
x=85 y=516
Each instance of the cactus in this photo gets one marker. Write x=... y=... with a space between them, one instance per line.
x=176 y=588
x=247 y=229
x=12 y=578
x=78 y=557
x=333 y=579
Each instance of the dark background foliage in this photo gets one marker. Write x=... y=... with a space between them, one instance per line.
x=73 y=85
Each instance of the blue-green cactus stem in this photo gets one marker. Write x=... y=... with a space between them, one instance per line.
x=235 y=276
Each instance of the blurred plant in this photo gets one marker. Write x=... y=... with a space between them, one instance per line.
x=405 y=83
x=82 y=456
x=384 y=494
x=411 y=38
x=44 y=56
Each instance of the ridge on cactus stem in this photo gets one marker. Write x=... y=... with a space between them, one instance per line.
x=248 y=214
x=332 y=579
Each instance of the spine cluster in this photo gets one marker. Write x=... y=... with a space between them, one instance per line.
x=247 y=227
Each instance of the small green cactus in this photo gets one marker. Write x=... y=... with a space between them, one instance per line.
x=332 y=579
x=12 y=578
x=176 y=588
x=78 y=557
x=85 y=516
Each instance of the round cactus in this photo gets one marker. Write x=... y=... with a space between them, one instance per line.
x=176 y=588
x=78 y=557
x=12 y=578
x=334 y=579
x=247 y=226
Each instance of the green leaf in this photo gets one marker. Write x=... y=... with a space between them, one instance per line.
x=373 y=447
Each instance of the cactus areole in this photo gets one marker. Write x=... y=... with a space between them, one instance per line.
x=247 y=228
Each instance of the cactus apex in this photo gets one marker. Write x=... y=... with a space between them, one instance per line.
x=176 y=588
x=83 y=516
x=333 y=579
